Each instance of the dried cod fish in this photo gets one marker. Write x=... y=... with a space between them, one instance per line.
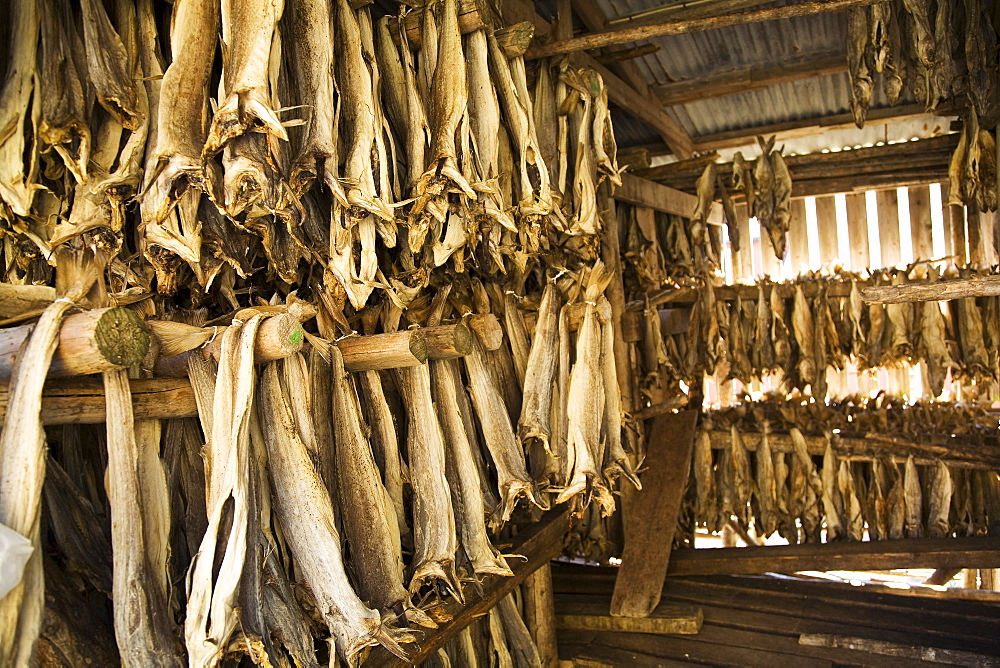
x=802 y=324
x=211 y=615
x=766 y=522
x=742 y=476
x=857 y=63
x=540 y=373
x=513 y=480
x=22 y=476
x=913 y=499
x=833 y=502
x=137 y=493
x=306 y=514
x=17 y=175
x=368 y=518
x=385 y=442
x=704 y=477
x=435 y=540
x=939 y=504
x=616 y=462
x=462 y=473
x=855 y=525
x=108 y=66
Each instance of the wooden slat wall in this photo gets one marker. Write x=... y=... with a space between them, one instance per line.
x=755 y=260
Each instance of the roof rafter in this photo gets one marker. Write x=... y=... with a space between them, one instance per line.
x=748 y=79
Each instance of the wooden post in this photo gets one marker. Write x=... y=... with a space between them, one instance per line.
x=540 y=614
x=646 y=554
x=394 y=350
x=90 y=342
x=798 y=238
x=447 y=341
x=826 y=225
x=976 y=250
x=888 y=226
x=920 y=222
x=279 y=336
x=18 y=299
x=857 y=232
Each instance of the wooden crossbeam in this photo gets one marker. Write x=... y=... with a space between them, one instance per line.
x=748 y=79
x=959 y=288
x=538 y=543
x=643 y=192
x=626 y=35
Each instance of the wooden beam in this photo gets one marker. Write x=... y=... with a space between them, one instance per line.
x=626 y=35
x=970 y=552
x=665 y=620
x=651 y=518
x=540 y=615
x=682 y=10
x=747 y=79
x=974 y=286
x=912 y=652
x=538 y=543
x=806 y=127
x=616 y=56
x=643 y=192
x=81 y=400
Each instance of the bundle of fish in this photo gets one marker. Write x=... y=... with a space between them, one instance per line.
x=767 y=186
x=828 y=327
x=924 y=46
x=972 y=172
x=742 y=477
x=198 y=167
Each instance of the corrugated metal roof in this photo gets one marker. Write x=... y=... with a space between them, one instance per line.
x=769 y=43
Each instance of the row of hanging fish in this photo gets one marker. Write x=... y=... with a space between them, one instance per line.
x=194 y=165
x=806 y=497
x=938 y=50
x=799 y=329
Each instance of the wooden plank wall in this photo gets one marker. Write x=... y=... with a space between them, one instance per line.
x=967 y=235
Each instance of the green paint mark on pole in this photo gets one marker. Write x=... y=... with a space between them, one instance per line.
x=295 y=338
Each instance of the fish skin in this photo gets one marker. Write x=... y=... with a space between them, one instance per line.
x=17 y=176
x=939 y=506
x=913 y=501
x=861 y=80
x=541 y=372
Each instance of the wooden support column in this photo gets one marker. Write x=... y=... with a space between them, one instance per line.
x=826 y=224
x=920 y=222
x=954 y=227
x=540 y=615
x=974 y=230
x=646 y=554
x=888 y=226
x=798 y=237
x=857 y=232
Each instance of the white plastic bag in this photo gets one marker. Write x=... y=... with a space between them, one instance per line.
x=15 y=550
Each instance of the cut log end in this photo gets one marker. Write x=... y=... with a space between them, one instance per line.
x=121 y=336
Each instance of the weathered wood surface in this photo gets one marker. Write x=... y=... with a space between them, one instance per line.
x=89 y=342
x=646 y=553
x=540 y=614
x=538 y=543
x=393 y=350
x=626 y=35
x=973 y=286
x=18 y=299
x=888 y=226
x=664 y=620
x=970 y=552
x=643 y=192
x=857 y=232
x=447 y=341
x=913 y=652
x=826 y=226
x=81 y=400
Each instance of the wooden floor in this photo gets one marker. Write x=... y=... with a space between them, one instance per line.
x=764 y=621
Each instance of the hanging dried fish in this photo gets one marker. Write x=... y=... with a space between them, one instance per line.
x=766 y=522
x=742 y=476
x=513 y=480
x=855 y=525
x=384 y=442
x=939 y=503
x=913 y=499
x=704 y=478
x=895 y=503
x=435 y=540
x=17 y=176
x=306 y=514
x=857 y=63
x=833 y=503
x=368 y=516
x=462 y=474
x=616 y=462
x=802 y=324
x=540 y=373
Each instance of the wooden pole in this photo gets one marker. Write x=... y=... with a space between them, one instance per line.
x=626 y=35
x=89 y=342
x=18 y=299
x=278 y=337
x=394 y=350
x=81 y=400
x=974 y=286
x=447 y=341
x=540 y=615
x=487 y=329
